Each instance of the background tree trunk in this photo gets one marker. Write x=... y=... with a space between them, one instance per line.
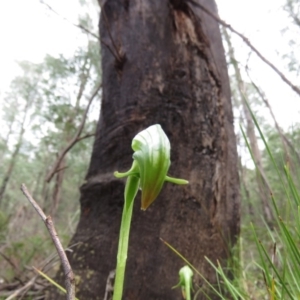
x=262 y=181
x=13 y=159
x=163 y=62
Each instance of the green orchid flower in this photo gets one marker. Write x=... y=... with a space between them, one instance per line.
x=151 y=163
x=185 y=282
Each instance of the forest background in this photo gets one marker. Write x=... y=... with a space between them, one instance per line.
x=49 y=75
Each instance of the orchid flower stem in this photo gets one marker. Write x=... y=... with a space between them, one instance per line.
x=151 y=162
x=131 y=189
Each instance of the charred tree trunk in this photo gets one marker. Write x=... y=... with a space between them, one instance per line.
x=163 y=62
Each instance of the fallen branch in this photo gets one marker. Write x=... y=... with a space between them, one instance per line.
x=23 y=288
x=75 y=139
x=69 y=276
x=247 y=42
x=9 y=286
x=109 y=285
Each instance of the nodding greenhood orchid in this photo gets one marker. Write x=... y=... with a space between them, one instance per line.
x=185 y=282
x=151 y=162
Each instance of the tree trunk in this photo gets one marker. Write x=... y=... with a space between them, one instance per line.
x=163 y=62
x=262 y=181
x=246 y=190
x=56 y=194
x=14 y=156
x=6 y=139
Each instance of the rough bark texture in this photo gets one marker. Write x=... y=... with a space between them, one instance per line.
x=168 y=67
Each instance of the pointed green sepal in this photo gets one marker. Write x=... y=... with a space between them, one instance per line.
x=176 y=180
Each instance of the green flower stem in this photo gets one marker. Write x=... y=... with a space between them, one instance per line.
x=151 y=162
x=131 y=189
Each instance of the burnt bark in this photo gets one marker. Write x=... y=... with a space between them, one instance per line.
x=168 y=67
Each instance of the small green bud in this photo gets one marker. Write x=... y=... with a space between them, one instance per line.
x=185 y=282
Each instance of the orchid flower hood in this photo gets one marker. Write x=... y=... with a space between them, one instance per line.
x=151 y=163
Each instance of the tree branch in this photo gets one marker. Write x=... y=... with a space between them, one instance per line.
x=283 y=137
x=110 y=50
x=10 y=262
x=119 y=56
x=247 y=42
x=85 y=136
x=86 y=30
x=76 y=25
x=69 y=276
x=75 y=139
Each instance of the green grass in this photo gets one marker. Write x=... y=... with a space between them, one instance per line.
x=269 y=268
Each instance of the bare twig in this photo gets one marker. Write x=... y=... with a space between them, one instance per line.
x=110 y=50
x=9 y=286
x=69 y=276
x=65 y=19
x=9 y=261
x=75 y=139
x=85 y=136
x=109 y=284
x=117 y=55
x=23 y=288
x=17 y=272
x=247 y=42
x=285 y=140
x=61 y=169
x=86 y=30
